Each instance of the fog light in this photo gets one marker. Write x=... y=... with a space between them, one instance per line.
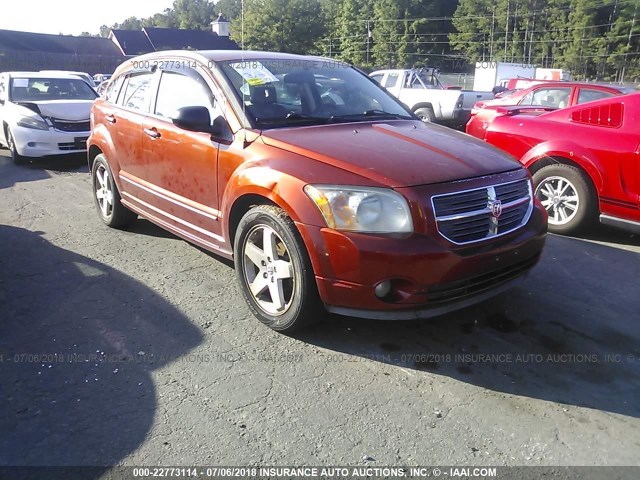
x=31 y=144
x=383 y=289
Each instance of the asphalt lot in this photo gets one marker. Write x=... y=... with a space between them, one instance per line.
x=135 y=347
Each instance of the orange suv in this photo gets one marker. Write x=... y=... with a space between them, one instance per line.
x=325 y=191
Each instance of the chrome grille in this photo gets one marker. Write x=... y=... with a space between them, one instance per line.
x=69 y=126
x=481 y=213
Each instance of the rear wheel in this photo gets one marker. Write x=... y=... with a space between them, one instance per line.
x=425 y=114
x=568 y=196
x=107 y=197
x=274 y=270
x=11 y=145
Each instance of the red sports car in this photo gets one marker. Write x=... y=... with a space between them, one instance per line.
x=585 y=160
x=546 y=94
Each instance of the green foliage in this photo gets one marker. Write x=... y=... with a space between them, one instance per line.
x=280 y=25
x=596 y=39
x=231 y=9
x=193 y=14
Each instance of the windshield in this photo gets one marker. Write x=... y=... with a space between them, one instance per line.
x=38 y=89
x=281 y=93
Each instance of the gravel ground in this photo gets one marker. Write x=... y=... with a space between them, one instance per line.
x=135 y=348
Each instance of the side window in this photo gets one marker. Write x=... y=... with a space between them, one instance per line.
x=589 y=95
x=391 y=80
x=112 y=91
x=3 y=88
x=136 y=93
x=548 y=97
x=378 y=77
x=178 y=90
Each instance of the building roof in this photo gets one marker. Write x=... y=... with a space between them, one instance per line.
x=221 y=19
x=43 y=42
x=177 y=39
x=131 y=42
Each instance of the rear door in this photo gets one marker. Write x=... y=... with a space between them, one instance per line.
x=182 y=165
x=124 y=121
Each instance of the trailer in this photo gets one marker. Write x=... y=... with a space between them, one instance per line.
x=491 y=74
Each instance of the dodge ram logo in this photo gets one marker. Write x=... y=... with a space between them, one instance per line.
x=496 y=208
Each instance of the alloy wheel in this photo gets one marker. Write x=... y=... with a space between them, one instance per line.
x=268 y=270
x=560 y=198
x=104 y=192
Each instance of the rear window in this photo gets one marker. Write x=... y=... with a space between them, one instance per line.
x=36 y=89
x=136 y=93
x=590 y=95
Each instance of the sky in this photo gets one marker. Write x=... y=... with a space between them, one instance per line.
x=73 y=16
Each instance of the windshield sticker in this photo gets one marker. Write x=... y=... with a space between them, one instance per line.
x=20 y=82
x=255 y=73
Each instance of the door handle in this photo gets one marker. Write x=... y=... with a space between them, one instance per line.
x=152 y=132
x=111 y=119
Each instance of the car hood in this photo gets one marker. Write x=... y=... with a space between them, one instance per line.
x=63 y=110
x=395 y=153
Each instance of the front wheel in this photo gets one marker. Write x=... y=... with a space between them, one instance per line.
x=107 y=197
x=274 y=270
x=11 y=145
x=568 y=197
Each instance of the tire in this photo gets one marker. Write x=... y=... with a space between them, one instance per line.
x=277 y=281
x=107 y=197
x=11 y=145
x=568 y=196
x=425 y=114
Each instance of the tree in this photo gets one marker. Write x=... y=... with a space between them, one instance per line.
x=281 y=25
x=131 y=23
x=231 y=9
x=193 y=14
x=350 y=36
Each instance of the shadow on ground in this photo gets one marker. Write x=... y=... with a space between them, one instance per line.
x=569 y=334
x=78 y=344
x=39 y=168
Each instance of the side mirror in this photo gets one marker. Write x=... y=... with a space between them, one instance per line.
x=195 y=119
x=198 y=119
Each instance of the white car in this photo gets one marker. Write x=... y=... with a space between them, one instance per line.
x=44 y=114
x=83 y=75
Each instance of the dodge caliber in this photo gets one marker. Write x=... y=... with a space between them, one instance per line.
x=324 y=190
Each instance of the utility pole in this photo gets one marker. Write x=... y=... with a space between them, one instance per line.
x=493 y=27
x=368 y=38
x=506 y=33
x=533 y=29
x=633 y=23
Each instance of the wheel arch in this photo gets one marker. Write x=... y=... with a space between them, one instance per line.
x=571 y=155
x=240 y=207
x=92 y=153
x=423 y=105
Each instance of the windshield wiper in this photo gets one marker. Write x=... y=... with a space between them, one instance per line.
x=369 y=114
x=292 y=117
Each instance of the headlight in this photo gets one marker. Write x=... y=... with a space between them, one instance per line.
x=359 y=209
x=33 y=122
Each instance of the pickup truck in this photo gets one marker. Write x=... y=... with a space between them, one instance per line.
x=423 y=93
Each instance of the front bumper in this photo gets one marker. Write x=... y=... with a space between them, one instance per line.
x=39 y=143
x=430 y=276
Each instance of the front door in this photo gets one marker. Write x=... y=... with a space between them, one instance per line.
x=181 y=166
